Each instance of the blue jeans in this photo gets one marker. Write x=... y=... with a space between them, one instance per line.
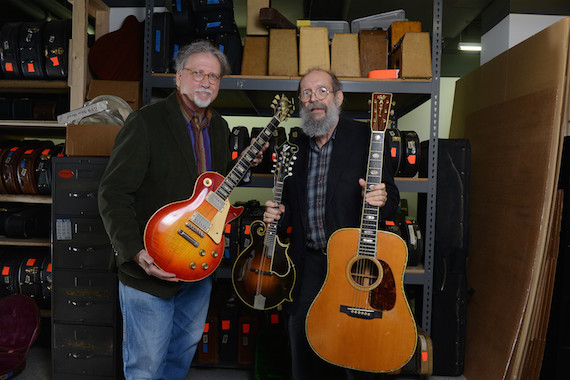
x=160 y=335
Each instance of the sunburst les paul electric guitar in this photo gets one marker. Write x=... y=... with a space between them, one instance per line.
x=263 y=275
x=361 y=319
x=186 y=237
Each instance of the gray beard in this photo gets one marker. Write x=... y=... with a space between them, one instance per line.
x=314 y=128
x=202 y=103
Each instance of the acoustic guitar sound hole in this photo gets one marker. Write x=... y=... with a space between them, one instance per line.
x=365 y=273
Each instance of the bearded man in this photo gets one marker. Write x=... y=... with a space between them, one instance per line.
x=324 y=194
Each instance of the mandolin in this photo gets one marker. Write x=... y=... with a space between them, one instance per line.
x=186 y=237
x=360 y=319
x=263 y=275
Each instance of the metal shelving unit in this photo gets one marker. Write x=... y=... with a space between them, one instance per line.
x=422 y=89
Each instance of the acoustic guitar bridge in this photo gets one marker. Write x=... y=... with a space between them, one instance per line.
x=359 y=312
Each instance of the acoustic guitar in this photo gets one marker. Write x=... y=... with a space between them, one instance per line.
x=263 y=275
x=360 y=318
x=187 y=237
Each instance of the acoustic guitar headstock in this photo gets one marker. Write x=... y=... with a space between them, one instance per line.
x=380 y=110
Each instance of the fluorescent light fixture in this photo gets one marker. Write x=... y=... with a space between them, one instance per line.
x=469 y=46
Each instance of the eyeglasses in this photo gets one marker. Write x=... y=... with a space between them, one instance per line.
x=320 y=93
x=198 y=75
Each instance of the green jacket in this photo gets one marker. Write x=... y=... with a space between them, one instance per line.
x=152 y=164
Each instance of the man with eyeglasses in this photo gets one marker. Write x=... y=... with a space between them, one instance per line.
x=324 y=194
x=157 y=157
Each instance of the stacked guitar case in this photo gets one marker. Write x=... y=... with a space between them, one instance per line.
x=404 y=148
x=452 y=241
x=190 y=20
x=35 y=50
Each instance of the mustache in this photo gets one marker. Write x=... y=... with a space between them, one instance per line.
x=206 y=90
x=316 y=105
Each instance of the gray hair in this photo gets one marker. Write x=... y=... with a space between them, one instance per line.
x=201 y=46
x=336 y=84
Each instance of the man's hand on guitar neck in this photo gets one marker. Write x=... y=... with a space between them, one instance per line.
x=377 y=197
x=146 y=262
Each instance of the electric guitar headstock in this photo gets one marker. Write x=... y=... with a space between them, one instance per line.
x=282 y=107
x=380 y=110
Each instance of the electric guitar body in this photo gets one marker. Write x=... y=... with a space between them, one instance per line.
x=360 y=318
x=189 y=234
x=186 y=237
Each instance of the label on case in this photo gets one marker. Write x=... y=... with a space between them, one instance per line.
x=63 y=230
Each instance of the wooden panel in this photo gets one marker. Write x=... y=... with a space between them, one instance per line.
x=512 y=110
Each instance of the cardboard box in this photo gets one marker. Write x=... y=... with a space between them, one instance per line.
x=129 y=91
x=254 y=60
x=314 y=52
x=413 y=56
x=373 y=51
x=399 y=28
x=283 y=52
x=90 y=140
x=253 y=26
x=345 y=58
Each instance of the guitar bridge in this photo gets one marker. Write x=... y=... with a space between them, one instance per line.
x=358 y=312
x=188 y=238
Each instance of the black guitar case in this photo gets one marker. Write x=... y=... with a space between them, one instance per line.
x=31 y=39
x=183 y=22
x=230 y=45
x=56 y=48
x=295 y=134
x=239 y=140
x=452 y=241
x=163 y=43
x=410 y=160
x=10 y=51
x=395 y=148
x=213 y=17
x=23 y=108
x=43 y=169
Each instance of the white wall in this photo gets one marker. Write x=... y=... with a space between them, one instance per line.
x=512 y=30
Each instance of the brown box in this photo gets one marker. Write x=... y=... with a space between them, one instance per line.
x=253 y=26
x=345 y=58
x=90 y=140
x=373 y=51
x=283 y=52
x=413 y=56
x=254 y=60
x=313 y=49
x=129 y=91
x=399 y=28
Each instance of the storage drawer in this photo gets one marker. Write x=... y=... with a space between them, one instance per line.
x=84 y=350
x=86 y=297
x=80 y=243
x=76 y=183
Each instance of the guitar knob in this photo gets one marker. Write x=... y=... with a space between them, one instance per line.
x=192 y=265
x=214 y=254
x=205 y=266
x=202 y=252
